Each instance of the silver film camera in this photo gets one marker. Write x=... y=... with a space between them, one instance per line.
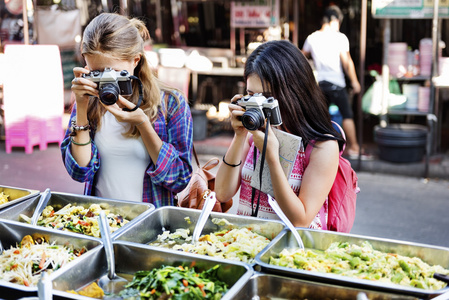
x=111 y=84
x=257 y=110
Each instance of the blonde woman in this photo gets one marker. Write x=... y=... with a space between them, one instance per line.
x=128 y=147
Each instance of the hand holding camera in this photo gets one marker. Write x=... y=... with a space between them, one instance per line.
x=111 y=84
x=258 y=108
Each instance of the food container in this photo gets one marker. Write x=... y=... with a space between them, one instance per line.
x=127 y=209
x=11 y=233
x=269 y=286
x=131 y=257
x=321 y=240
x=16 y=195
x=147 y=229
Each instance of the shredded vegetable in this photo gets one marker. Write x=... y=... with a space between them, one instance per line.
x=364 y=262
x=25 y=263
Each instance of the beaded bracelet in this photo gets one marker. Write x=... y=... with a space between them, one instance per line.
x=80 y=144
x=231 y=165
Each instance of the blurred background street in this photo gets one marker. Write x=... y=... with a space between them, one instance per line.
x=399 y=207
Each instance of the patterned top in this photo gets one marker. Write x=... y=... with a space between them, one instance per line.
x=173 y=168
x=265 y=210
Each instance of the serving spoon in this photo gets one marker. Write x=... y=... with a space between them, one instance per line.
x=44 y=287
x=45 y=197
x=209 y=203
x=110 y=283
x=277 y=209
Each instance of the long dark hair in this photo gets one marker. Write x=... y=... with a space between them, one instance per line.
x=288 y=77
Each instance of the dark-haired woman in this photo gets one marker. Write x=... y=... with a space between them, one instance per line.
x=278 y=69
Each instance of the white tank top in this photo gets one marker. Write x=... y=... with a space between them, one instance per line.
x=123 y=161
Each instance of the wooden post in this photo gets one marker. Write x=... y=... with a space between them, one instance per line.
x=25 y=22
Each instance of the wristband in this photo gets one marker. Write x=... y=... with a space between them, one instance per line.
x=80 y=144
x=231 y=165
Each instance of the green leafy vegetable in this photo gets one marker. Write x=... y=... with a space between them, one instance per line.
x=178 y=283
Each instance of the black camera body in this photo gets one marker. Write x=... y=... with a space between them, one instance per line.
x=257 y=110
x=111 y=84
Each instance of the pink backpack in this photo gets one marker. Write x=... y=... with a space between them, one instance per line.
x=343 y=194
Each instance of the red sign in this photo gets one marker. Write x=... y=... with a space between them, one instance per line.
x=251 y=14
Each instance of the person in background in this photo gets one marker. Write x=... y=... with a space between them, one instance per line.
x=278 y=69
x=119 y=150
x=329 y=49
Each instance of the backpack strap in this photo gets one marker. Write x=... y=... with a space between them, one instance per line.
x=309 y=146
x=342 y=132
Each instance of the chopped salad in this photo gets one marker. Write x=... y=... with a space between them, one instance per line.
x=364 y=262
x=79 y=219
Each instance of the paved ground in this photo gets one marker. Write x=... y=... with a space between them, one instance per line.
x=396 y=207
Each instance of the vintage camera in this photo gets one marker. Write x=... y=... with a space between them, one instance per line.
x=111 y=84
x=257 y=110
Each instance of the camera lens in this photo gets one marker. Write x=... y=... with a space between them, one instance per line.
x=253 y=119
x=109 y=93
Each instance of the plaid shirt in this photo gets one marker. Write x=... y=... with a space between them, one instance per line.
x=173 y=168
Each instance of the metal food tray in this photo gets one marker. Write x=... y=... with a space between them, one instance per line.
x=131 y=257
x=16 y=195
x=128 y=209
x=169 y=218
x=321 y=240
x=268 y=286
x=11 y=233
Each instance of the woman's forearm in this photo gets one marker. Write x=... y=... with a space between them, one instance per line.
x=227 y=180
x=150 y=138
x=80 y=146
x=289 y=202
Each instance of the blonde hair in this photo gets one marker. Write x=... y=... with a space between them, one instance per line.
x=118 y=37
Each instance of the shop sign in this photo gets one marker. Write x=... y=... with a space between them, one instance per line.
x=408 y=9
x=258 y=13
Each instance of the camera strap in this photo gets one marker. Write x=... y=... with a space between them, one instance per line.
x=254 y=212
x=140 y=94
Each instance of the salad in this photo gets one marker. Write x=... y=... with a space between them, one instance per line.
x=78 y=219
x=364 y=262
x=181 y=282
x=239 y=244
x=25 y=263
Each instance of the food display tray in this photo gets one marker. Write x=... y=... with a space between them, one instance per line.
x=168 y=218
x=16 y=195
x=128 y=209
x=269 y=286
x=131 y=257
x=11 y=233
x=321 y=240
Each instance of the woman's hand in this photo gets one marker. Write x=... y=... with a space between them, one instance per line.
x=135 y=117
x=236 y=112
x=83 y=88
x=272 y=152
